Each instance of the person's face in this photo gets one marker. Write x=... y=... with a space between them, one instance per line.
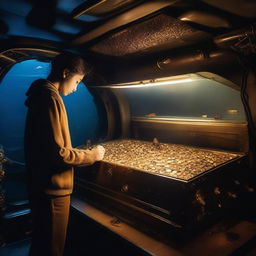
x=69 y=83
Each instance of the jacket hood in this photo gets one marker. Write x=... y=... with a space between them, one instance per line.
x=37 y=89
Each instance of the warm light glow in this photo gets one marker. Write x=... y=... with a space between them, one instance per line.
x=154 y=83
x=157 y=82
x=232 y=111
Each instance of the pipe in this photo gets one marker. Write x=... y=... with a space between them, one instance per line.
x=243 y=40
x=221 y=62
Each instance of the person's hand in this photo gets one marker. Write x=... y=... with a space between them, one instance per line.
x=99 y=152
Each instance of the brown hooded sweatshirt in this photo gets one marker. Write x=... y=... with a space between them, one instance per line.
x=49 y=154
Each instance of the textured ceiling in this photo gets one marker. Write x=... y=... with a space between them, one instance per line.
x=160 y=31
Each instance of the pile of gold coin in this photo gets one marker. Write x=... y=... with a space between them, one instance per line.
x=172 y=160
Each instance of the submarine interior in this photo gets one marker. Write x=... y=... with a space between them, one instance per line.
x=171 y=97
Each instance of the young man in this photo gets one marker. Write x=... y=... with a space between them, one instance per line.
x=50 y=156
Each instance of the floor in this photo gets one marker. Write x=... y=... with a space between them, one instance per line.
x=82 y=239
x=19 y=248
x=87 y=238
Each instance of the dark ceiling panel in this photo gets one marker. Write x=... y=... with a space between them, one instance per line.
x=244 y=8
x=205 y=19
x=103 y=8
x=161 y=31
x=124 y=19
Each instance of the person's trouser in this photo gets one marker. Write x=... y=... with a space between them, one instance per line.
x=50 y=218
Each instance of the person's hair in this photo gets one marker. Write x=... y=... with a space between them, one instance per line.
x=72 y=62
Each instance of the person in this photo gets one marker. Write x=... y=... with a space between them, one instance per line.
x=49 y=154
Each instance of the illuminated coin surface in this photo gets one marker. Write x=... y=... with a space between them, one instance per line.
x=171 y=160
